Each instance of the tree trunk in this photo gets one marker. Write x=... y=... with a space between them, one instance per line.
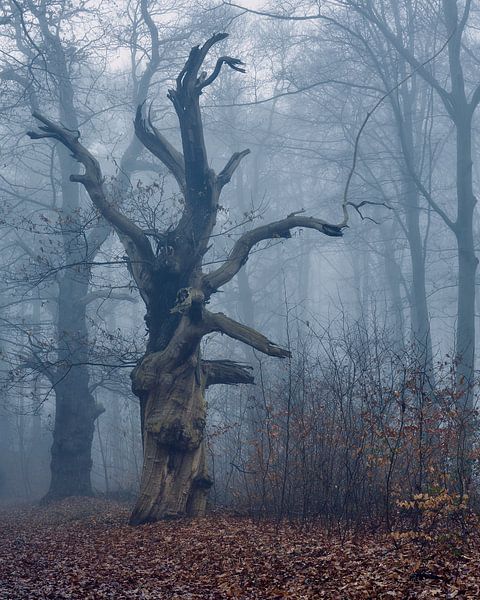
x=410 y=141
x=72 y=440
x=75 y=407
x=174 y=478
x=393 y=281
x=420 y=325
x=467 y=260
x=467 y=268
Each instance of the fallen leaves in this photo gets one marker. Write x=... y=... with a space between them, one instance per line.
x=83 y=549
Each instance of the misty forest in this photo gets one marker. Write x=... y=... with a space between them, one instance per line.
x=238 y=299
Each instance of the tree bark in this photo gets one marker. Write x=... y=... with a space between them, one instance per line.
x=174 y=478
x=393 y=280
x=71 y=460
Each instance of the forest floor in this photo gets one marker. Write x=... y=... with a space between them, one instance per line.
x=84 y=549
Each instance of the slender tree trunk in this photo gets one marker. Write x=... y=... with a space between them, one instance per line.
x=420 y=325
x=392 y=271
x=420 y=318
x=467 y=268
x=246 y=304
x=467 y=260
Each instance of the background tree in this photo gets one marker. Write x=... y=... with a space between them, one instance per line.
x=460 y=100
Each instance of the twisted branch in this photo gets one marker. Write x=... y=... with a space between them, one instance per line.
x=240 y=251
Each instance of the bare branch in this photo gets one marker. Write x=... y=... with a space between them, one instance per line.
x=397 y=43
x=229 y=169
x=349 y=84
x=205 y=49
x=107 y=295
x=11 y=75
x=240 y=251
x=92 y=180
x=226 y=372
x=38 y=364
x=223 y=324
x=160 y=147
x=271 y=15
x=421 y=187
x=233 y=63
x=187 y=78
x=363 y=203
x=155 y=55
x=418 y=67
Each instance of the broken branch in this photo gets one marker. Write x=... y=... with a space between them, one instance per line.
x=233 y=63
x=223 y=324
x=92 y=180
x=232 y=165
x=226 y=372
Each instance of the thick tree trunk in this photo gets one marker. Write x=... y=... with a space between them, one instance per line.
x=75 y=407
x=71 y=461
x=75 y=411
x=174 y=479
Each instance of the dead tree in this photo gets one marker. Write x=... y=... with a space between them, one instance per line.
x=171 y=378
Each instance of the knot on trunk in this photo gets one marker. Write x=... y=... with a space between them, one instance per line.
x=98 y=409
x=202 y=482
x=189 y=302
x=178 y=435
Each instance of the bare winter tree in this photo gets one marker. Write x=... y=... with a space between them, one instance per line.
x=171 y=378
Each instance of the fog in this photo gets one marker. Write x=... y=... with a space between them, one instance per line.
x=297 y=322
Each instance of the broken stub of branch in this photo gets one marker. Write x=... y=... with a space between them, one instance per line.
x=233 y=63
x=226 y=372
x=222 y=324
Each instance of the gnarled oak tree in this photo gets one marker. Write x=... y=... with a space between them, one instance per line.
x=171 y=378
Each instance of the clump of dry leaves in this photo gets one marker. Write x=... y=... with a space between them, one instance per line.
x=84 y=549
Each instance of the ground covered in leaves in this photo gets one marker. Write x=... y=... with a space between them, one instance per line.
x=84 y=549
